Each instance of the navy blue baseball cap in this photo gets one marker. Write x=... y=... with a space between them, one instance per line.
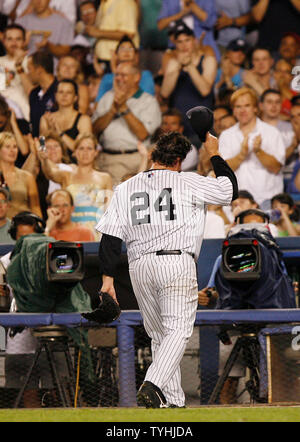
x=202 y=120
x=238 y=45
x=182 y=28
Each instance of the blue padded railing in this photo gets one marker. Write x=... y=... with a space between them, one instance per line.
x=125 y=333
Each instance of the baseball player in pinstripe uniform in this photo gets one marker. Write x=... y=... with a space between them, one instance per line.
x=160 y=214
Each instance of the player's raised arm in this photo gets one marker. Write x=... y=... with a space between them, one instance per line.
x=201 y=119
x=221 y=168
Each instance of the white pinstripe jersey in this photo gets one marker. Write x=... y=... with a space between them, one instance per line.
x=163 y=210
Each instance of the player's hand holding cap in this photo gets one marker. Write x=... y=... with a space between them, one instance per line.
x=211 y=145
x=202 y=120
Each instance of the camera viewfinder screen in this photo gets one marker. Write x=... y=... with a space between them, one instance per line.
x=64 y=262
x=241 y=259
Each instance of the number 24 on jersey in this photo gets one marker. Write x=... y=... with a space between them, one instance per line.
x=140 y=211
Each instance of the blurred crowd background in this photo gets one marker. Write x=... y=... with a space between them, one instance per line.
x=97 y=82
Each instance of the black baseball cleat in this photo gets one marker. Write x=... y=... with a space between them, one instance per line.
x=150 y=396
x=175 y=406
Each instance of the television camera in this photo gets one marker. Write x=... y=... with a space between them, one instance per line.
x=251 y=275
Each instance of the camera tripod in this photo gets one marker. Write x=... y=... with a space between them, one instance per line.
x=248 y=344
x=106 y=372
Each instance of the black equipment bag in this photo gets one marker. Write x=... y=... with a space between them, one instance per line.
x=273 y=289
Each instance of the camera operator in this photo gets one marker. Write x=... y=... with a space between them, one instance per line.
x=32 y=293
x=20 y=348
x=212 y=296
x=245 y=201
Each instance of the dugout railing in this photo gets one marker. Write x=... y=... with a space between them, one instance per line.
x=272 y=376
x=121 y=352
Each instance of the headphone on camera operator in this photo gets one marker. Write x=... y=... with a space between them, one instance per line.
x=27 y=218
x=239 y=219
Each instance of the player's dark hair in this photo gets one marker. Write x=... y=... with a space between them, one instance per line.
x=169 y=147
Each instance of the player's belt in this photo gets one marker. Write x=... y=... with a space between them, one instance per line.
x=171 y=252
x=118 y=152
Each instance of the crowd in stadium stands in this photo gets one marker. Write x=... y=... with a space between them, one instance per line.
x=101 y=80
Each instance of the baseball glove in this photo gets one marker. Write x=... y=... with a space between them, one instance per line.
x=107 y=311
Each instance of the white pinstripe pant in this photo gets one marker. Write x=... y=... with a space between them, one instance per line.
x=167 y=294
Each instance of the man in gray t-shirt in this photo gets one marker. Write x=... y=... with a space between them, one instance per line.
x=48 y=28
